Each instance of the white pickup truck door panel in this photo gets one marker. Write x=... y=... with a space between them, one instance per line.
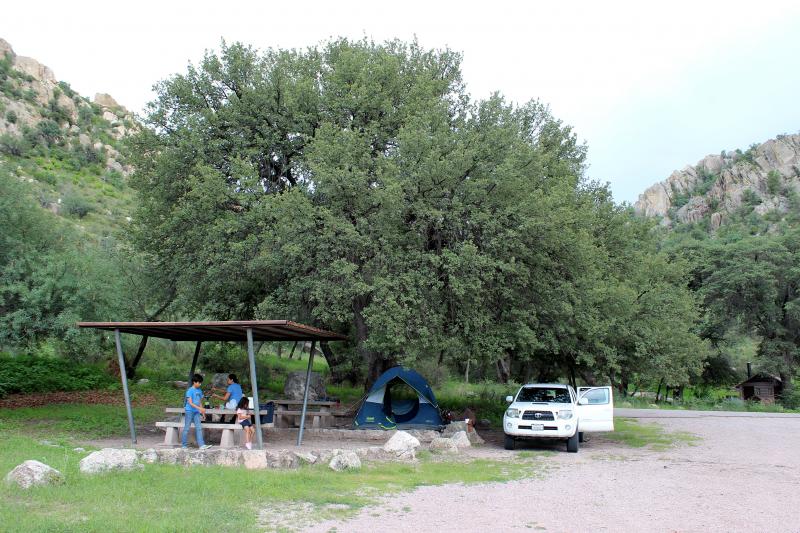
x=598 y=414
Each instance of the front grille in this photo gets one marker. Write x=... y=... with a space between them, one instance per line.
x=537 y=415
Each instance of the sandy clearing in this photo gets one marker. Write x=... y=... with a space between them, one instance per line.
x=743 y=476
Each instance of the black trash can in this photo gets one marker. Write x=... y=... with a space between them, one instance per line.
x=267 y=411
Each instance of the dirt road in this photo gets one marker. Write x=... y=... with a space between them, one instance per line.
x=744 y=475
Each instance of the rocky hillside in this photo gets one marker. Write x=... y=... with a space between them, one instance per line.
x=67 y=147
x=763 y=181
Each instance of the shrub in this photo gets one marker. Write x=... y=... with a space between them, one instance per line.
x=773 y=182
x=85 y=115
x=13 y=145
x=750 y=198
x=77 y=205
x=11 y=116
x=48 y=131
x=43 y=374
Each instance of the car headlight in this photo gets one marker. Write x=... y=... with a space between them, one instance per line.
x=512 y=413
x=565 y=415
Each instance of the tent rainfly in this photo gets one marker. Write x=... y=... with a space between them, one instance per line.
x=239 y=330
x=382 y=410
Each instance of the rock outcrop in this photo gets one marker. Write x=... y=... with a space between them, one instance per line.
x=719 y=184
x=38 y=92
x=296 y=383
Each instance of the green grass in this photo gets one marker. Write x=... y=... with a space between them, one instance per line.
x=652 y=435
x=174 y=498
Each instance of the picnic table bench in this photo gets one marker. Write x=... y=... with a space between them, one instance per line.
x=286 y=414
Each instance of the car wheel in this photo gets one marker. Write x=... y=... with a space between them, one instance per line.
x=510 y=442
x=581 y=437
x=572 y=443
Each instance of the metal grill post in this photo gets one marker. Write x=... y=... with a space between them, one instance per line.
x=254 y=384
x=124 y=376
x=305 y=393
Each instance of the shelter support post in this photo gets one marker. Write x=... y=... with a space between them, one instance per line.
x=305 y=393
x=194 y=362
x=124 y=377
x=256 y=408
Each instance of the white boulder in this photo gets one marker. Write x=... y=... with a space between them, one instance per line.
x=109 y=459
x=32 y=473
x=443 y=445
x=460 y=440
x=402 y=445
x=345 y=461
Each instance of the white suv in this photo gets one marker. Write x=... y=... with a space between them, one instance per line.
x=555 y=411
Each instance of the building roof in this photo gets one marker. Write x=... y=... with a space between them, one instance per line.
x=232 y=330
x=760 y=377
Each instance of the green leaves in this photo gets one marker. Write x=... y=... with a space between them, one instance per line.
x=358 y=187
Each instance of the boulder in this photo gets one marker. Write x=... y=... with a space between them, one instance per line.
x=229 y=457
x=219 y=381
x=5 y=48
x=296 y=383
x=149 y=456
x=109 y=459
x=402 y=445
x=202 y=457
x=254 y=459
x=345 y=461
x=105 y=100
x=307 y=458
x=323 y=456
x=373 y=453
x=423 y=435
x=443 y=445
x=454 y=427
x=109 y=116
x=282 y=459
x=32 y=473
x=172 y=456
x=460 y=440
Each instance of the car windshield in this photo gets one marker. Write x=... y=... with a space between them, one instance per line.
x=544 y=394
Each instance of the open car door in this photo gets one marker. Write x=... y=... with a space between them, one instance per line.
x=595 y=409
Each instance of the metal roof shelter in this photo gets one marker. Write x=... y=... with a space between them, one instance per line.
x=236 y=330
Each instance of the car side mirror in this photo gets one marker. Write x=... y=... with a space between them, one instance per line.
x=509 y=399
x=583 y=401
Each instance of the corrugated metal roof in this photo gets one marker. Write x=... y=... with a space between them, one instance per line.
x=231 y=330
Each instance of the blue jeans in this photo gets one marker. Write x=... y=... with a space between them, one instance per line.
x=198 y=430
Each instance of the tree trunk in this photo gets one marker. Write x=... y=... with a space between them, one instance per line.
x=293 y=348
x=130 y=370
x=279 y=350
x=658 y=392
x=340 y=370
x=466 y=373
x=572 y=380
x=373 y=360
x=503 y=365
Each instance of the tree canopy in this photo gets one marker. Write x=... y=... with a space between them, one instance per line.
x=358 y=187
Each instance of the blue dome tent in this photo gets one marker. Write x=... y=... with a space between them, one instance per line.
x=380 y=410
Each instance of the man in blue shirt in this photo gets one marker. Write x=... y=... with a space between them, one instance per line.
x=193 y=407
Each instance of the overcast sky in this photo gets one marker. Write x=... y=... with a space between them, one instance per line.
x=650 y=87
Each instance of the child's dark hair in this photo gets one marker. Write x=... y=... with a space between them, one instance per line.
x=233 y=378
x=244 y=403
x=197 y=378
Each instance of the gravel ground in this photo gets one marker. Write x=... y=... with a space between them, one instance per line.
x=744 y=475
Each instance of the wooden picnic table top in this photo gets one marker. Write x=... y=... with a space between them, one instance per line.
x=222 y=411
